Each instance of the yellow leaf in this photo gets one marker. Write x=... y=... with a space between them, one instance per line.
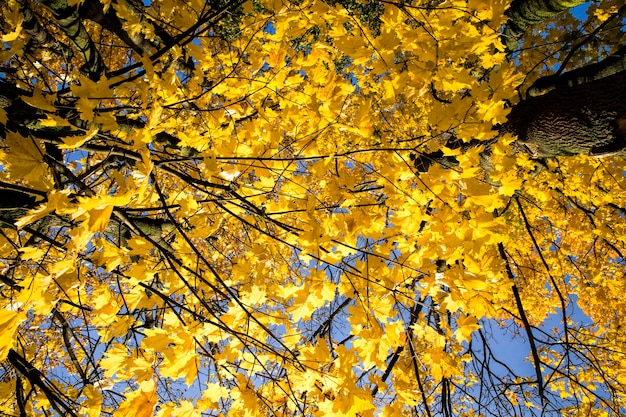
x=108 y=256
x=53 y=120
x=37 y=296
x=466 y=325
x=97 y=210
x=509 y=184
x=39 y=101
x=73 y=142
x=88 y=93
x=93 y=402
x=35 y=214
x=9 y=321
x=214 y=393
x=139 y=403
x=11 y=36
x=99 y=218
x=26 y=160
x=57 y=200
x=603 y=15
x=186 y=409
x=353 y=404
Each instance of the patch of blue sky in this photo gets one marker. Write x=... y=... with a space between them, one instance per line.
x=269 y=28
x=74 y=157
x=580 y=11
x=302 y=167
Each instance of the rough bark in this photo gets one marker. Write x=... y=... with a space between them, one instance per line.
x=588 y=118
x=93 y=10
x=581 y=111
x=569 y=120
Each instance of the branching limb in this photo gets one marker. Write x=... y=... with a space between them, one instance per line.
x=527 y=326
x=19 y=396
x=36 y=378
x=38 y=34
x=613 y=64
x=68 y=344
x=70 y=22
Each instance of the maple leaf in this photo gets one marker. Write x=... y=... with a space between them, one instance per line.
x=466 y=326
x=140 y=402
x=10 y=320
x=38 y=101
x=26 y=161
x=73 y=142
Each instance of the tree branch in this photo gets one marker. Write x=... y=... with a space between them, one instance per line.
x=525 y=13
x=526 y=323
x=70 y=22
x=35 y=377
x=612 y=65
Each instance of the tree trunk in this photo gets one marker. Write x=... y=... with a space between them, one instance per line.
x=588 y=118
x=611 y=65
x=525 y=13
x=569 y=119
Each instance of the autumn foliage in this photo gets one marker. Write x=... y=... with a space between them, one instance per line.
x=235 y=209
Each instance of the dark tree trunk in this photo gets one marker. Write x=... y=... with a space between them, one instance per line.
x=588 y=118
x=569 y=119
x=581 y=111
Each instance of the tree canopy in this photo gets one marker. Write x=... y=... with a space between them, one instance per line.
x=312 y=208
